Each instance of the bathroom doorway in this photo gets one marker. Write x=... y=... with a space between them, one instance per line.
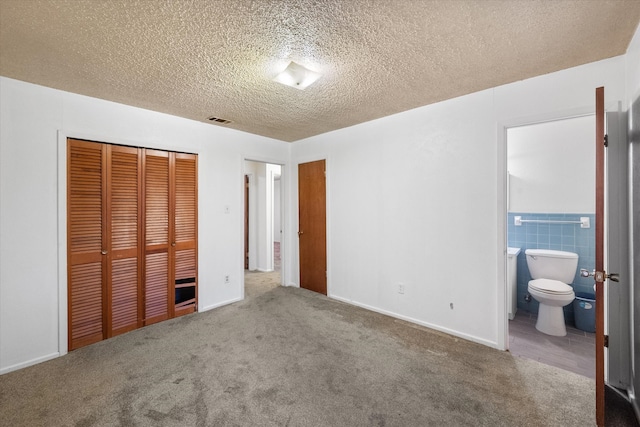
x=550 y=179
x=262 y=193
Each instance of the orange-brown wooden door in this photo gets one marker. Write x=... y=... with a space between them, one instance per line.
x=312 y=229
x=86 y=226
x=157 y=284
x=123 y=234
x=184 y=234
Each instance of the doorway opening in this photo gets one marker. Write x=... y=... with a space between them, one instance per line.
x=550 y=176
x=262 y=226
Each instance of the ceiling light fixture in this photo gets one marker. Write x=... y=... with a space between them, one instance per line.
x=295 y=75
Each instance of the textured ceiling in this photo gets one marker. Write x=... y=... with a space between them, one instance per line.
x=202 y=58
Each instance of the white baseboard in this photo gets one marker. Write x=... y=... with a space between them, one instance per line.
x=421 y=323
x=29 y=363
x=220 y=304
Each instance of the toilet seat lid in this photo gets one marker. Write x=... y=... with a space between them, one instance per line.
x=551 y=286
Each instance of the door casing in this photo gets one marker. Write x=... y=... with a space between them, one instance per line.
x=62 y=137
x=618 y=312
x=501 y=258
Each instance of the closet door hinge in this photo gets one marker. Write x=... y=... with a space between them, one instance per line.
x=606 y=140
x=606 y=341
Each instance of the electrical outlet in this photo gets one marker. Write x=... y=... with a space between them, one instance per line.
x=400 y=288
x=226 y=278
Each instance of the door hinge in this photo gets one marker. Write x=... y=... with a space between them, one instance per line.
x=606 y=140
x=606 y=341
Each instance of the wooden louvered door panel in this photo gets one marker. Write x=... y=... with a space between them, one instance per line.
x=123 y=233
x=86 y=163
x=132 y=238
x=157 y=285
x=185 y=233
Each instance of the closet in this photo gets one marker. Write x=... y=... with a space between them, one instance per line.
x=132 y=238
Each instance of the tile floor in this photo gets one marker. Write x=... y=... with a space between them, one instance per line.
x=574 y=352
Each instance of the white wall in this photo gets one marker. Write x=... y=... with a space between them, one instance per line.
x=633 y=67
x=277 y=210
x=33 y=124
x=435 y=219
x=271 y=171
x=256 y=172
x=263 y=219
x=551 y=166
x=633 y=102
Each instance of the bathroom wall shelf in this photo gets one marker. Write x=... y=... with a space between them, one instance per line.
x=584 y=221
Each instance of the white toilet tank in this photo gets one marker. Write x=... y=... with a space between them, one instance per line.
x=550 y=264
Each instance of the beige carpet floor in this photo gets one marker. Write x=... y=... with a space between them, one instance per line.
x=256 y=283
x=290 y=357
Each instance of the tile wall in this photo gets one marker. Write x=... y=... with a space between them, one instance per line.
x=562 y=237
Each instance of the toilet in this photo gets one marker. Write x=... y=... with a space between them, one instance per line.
x=552 y=272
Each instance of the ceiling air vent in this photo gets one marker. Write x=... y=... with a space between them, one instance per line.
x=218 y=120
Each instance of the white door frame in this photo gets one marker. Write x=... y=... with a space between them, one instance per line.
x=501 y=267
x=252 y=201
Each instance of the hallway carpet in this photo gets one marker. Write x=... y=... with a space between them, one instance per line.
x=256 y=283
x=291 y=357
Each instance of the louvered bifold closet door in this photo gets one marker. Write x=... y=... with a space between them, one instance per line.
x=157 y=287
x=186 y=232
x=86 y=224
x=124 y=233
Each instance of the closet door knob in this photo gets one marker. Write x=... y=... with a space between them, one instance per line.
x=173 y=244
x=103 y=252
